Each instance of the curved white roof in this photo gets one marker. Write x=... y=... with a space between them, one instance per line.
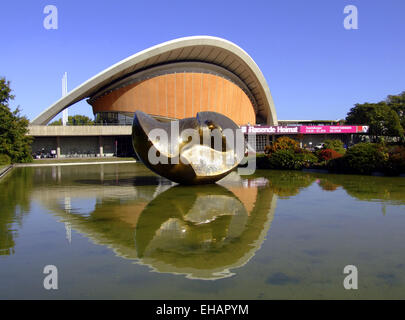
x=207 y=49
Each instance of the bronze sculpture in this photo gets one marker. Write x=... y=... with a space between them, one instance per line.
x=196 y=150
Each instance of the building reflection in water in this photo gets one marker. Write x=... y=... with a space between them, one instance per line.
x=202 y=232
x=105 y=202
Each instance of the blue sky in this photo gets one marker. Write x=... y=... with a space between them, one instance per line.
x=315 y=68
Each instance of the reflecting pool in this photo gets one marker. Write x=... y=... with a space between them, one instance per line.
x=119 y=231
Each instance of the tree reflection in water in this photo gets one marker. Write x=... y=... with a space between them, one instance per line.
x=201 y=232
x=15 y=202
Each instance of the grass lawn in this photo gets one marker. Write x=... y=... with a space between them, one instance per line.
x=72 y=160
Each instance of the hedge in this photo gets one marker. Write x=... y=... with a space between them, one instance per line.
x=4 y=159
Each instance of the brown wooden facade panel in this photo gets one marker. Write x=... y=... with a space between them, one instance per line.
x=162 y=98
x=180 y=108
x=180 y=95
x=188 y=89
x=171 y=95
x=197 y=85
x=204 y=92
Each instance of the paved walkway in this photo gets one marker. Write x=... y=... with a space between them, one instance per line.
x=70 y=163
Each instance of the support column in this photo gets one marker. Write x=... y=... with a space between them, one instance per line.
x=58 y=147
x=267 y=140
x=100 y=144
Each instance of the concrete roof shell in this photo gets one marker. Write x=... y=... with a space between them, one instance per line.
x=207 y=49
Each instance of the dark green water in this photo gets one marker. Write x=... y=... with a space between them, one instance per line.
x=118 y=231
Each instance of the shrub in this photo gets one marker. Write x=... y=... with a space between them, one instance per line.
x=336 y=145
x=362 y=158
x=285 y=153
x=337 y=165
x=4 y=159
x=284 y=159
x=282 y=143
x=328 y=154
x=395 y=164
x=289 y=160
x=267 y=149
x=262 y=161
x=307 y=158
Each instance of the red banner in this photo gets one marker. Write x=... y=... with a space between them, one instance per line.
x=303 y=129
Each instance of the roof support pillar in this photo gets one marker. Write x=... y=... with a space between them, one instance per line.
x=58 y=147
x=100 y=144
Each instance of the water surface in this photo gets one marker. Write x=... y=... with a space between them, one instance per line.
x=119 y=231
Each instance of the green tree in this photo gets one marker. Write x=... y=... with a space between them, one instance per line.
x=56 y=123
x=335 y=144
x=76 y=120
x=397 y=103
x=14 y=141
x=382 y=119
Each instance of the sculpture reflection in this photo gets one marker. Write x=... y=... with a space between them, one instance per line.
x=105 y=202
x=201 y=232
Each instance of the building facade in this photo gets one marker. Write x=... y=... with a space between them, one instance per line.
x=173 y=80
x=177 y=79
